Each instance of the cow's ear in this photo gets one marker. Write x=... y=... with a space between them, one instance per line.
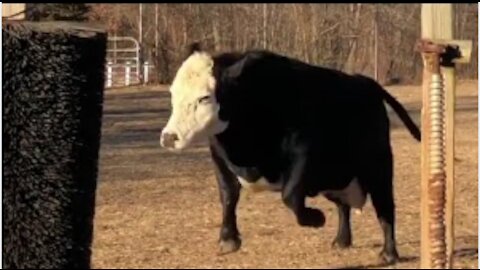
x=191 y=49
x=240 y=68
x=194 y=47
x=233 y=76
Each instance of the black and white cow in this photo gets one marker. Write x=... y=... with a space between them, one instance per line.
x=275 y=123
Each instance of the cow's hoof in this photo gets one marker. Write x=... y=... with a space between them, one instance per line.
x=390 y=257
x=312 y=218
x=229 y=246
x=342 y=243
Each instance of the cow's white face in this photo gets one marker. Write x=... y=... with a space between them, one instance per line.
x=194 y=106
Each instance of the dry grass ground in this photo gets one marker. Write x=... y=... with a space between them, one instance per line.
x=157 y=209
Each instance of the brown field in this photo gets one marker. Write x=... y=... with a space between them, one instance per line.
x=157 y=209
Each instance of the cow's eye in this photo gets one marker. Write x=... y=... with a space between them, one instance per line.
x=204 y=100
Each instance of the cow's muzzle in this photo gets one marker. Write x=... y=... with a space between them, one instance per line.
x=168 y=140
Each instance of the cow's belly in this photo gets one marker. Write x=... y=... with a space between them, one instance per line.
x=259 y=185
x=252 y=179
x=352 y=195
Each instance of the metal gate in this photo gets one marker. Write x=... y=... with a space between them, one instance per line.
x=123 y=62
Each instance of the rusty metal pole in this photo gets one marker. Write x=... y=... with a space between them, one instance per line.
x=433 y=160
x=436 y=166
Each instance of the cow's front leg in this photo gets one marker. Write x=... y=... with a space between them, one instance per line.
x=229 y=194
x=229 y=236
x=294 y=194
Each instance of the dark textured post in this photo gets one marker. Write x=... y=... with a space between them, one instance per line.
x=53 y=79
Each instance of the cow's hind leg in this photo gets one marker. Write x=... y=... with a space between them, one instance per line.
x=380 y=187
x=344 y=232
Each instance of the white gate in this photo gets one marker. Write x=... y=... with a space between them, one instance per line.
x=123 y=62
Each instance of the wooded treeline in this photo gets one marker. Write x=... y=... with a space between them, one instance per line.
x=340 y=36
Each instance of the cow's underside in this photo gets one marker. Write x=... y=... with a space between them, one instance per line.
x=341 y=176
x=338 y=176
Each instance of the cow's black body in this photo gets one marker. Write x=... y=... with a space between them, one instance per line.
x=309 y=130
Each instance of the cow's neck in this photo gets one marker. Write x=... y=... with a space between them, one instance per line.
x=248 y=145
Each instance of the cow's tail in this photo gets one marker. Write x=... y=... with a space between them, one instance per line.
x=402 y=113
x=397 y=107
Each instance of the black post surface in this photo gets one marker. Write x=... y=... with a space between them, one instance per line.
x=53 y=81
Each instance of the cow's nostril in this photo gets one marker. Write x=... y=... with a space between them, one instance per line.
x=169 y=139
x=172 y=136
